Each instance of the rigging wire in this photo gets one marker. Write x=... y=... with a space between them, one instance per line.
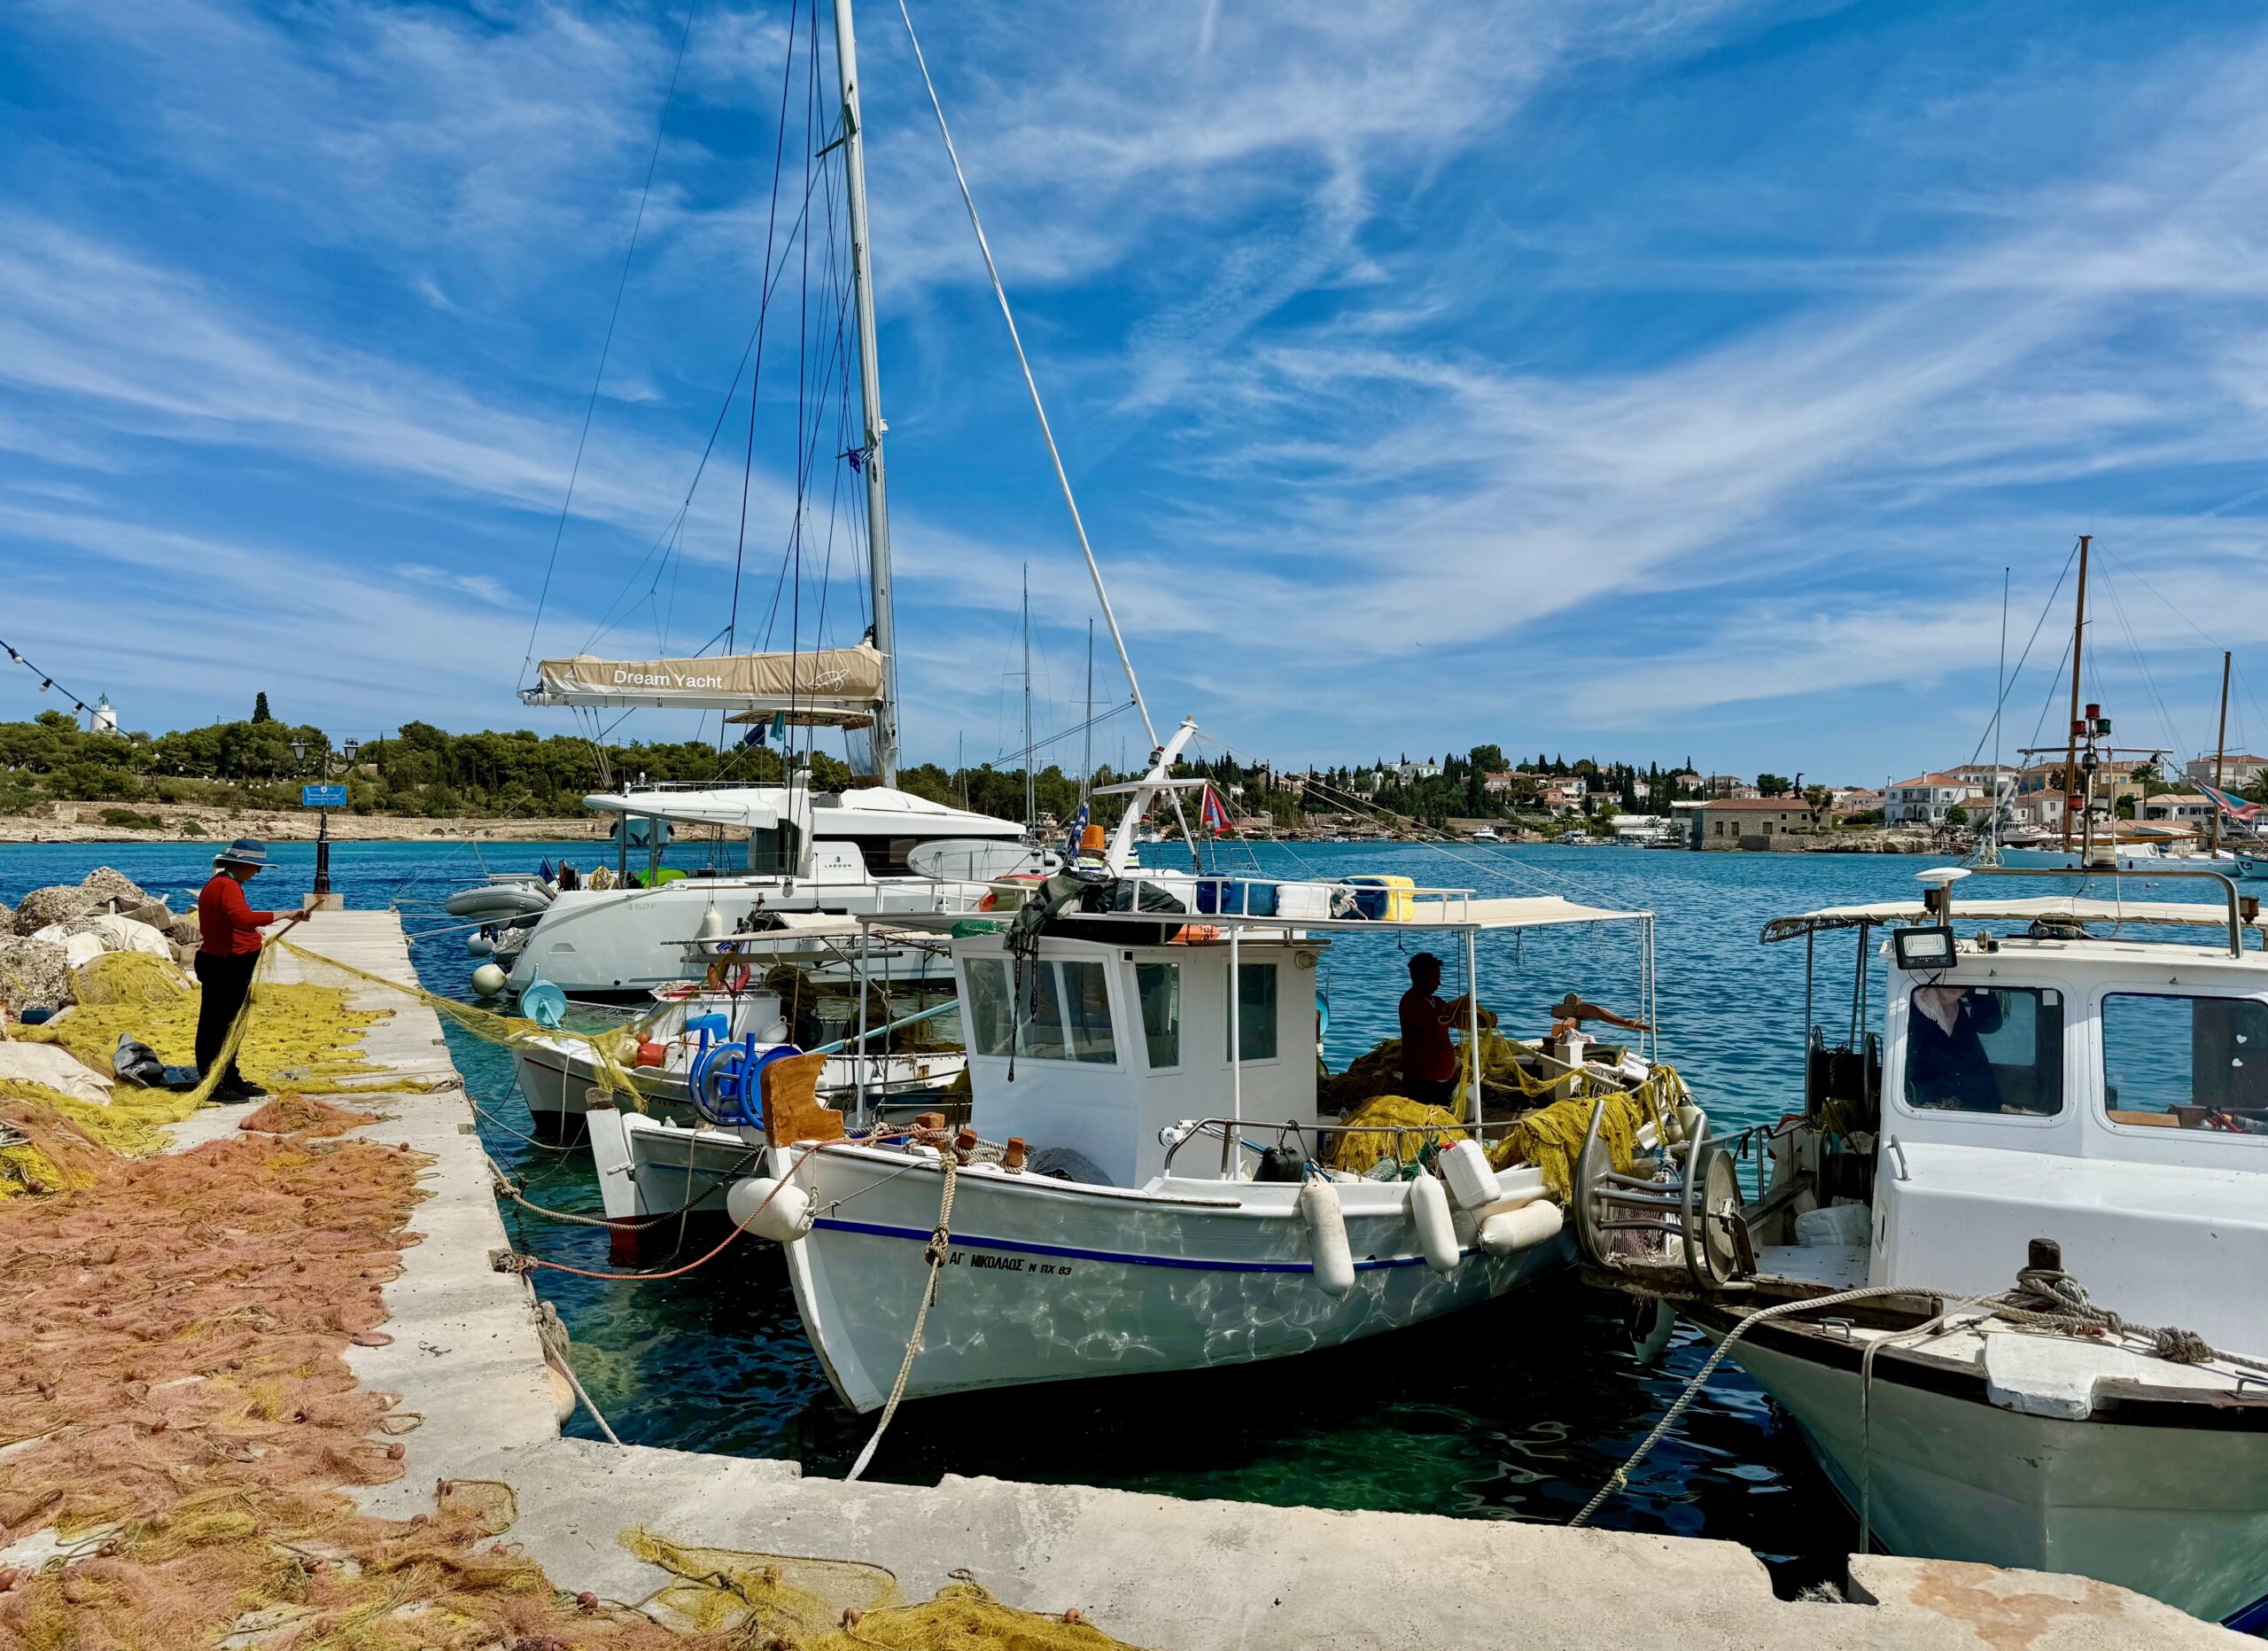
x=771 y=223
x=2008 y=687
x=621 y=285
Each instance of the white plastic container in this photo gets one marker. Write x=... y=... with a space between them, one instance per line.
x=1843 y=1224
x=1471 y=1183
x=1310 y=900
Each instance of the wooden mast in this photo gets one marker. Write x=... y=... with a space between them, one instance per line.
x=2071 y=746
x=2220 y=755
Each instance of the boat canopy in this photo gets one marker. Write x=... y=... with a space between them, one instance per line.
x=836 y=682
x=871 y=811
x=2023 y=909
x=1446 y=909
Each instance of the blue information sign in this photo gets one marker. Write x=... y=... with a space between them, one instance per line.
x=323 y=797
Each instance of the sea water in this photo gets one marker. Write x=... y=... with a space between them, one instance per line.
x=1519 y=1410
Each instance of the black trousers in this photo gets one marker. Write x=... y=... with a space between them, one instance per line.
x=1432 y=1091
x=226 y=981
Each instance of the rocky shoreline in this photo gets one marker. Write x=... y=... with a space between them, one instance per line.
x=83 y=822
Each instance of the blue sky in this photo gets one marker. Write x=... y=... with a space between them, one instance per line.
x=1657 y=378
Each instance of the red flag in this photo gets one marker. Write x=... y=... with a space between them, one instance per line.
x=1216 y=818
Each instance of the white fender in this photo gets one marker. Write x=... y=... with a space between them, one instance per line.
x=1429 y=1213
x=1534 y=1222
x=783 y=1220
x=1471 y=1183
x=1335 y=1262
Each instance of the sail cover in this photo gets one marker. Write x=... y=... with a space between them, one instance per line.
x=841 y=678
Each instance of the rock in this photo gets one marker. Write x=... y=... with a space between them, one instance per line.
x=186 y=930
x=35 y=974
x=7 y=918
x=59 y=904
x=114 y=889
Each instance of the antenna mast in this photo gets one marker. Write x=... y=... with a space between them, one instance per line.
x=2220 y=756
x=1031 y=808
x=2071 y=746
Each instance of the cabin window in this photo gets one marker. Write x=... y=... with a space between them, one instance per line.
x=2186 y=1062
x=1985 y=1049
x=992 y=1009
x=1255 y=1027
x=1159 y=986
x=1065 y=1013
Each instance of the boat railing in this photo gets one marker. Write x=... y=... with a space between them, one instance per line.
x=1234 y=1133
x=1234 y=896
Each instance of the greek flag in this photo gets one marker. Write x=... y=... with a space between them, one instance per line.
x=1078 y=830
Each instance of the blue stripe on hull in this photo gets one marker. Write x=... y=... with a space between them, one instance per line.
x=922 y=1235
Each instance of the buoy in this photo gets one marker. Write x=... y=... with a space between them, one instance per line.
x=1429 y=1213
x=1508 y=1231
x=488 y=980
x=563 y=1393
x=480 y=945
x=1471 y=1183
x=782 y=1220
x=712 y=923
x=1335 y=1262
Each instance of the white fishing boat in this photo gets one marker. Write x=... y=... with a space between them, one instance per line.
x=1151 y=1199
x=2059 y=1137
x=724 y=1003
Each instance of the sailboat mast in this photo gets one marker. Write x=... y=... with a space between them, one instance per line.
x=2071 y=746
x=870 y=393
x=1031 y=809
x=2220 y=756
x=1087 y=758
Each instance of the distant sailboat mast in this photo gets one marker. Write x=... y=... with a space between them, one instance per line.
x=1031 y=806
x=870 y=395
x=2071 y=746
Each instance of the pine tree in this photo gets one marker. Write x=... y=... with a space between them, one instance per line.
x=260 y=712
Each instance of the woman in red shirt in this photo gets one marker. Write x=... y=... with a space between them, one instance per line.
x=228 y=951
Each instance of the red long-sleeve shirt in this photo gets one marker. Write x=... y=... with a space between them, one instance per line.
x=227 y=925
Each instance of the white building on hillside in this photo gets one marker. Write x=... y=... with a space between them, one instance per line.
x=1926 y=797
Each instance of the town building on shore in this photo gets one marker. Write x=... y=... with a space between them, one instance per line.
x=1752 y=822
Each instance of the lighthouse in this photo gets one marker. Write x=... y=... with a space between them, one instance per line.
x=102 y=718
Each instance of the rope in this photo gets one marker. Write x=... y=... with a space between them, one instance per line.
x=1620 y=1477
x=935 y=1255
x=2067 y=1311
x=553 y=1334
x=523 y=1264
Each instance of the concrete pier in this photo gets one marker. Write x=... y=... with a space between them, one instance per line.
x=1154 y=1571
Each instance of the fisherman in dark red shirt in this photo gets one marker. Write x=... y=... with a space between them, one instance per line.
x=228 y=951
x=1428 y=1058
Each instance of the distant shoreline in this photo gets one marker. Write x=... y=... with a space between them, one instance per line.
x=190 y=823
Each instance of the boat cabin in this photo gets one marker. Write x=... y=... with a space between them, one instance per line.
x=1097 y=1047
x=2056 y=1074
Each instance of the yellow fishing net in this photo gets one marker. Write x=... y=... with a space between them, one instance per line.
x=1414 y=1122
x=839 y=1605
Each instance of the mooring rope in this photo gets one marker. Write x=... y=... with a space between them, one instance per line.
x=940 y=1241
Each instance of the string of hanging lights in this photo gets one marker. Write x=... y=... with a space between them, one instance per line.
x=46 y=682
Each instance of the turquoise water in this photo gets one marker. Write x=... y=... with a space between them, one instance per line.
x=1517 y=1411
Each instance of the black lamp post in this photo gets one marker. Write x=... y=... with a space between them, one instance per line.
x=323 y=832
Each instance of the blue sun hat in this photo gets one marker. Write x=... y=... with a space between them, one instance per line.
x=245 y=850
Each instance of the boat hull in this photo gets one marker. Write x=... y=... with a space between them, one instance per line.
x=555 y=1085
x=1049 y=1282
x=2180 y=1513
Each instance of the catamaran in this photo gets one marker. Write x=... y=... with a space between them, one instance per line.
x=2005 y=1274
